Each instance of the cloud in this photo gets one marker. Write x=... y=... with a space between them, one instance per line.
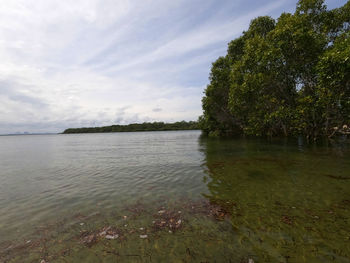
x=93 y=62
x=157 y=109
x=21 y=93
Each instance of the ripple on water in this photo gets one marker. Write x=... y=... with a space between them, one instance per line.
x=277 y=202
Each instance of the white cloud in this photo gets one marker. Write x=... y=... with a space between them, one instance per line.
x=93 y=62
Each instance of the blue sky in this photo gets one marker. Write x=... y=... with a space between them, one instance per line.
x=102 y=62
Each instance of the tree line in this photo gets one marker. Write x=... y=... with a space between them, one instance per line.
x=284 y=77
x=136 y=127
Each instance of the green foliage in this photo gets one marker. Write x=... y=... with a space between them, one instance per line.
x=283 y=78
x=136 y=127
x=215 y=103
x=334 y=83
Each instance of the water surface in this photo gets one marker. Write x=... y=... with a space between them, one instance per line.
x=190 y=199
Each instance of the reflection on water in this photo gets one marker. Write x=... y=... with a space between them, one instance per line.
x=290 y=203
x=172 y=196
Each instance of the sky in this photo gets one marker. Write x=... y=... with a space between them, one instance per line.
x=86 y=63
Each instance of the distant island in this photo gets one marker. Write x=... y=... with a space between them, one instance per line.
x=27 y=133
x=138 y=127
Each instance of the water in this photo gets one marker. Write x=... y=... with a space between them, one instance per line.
x=193 y=199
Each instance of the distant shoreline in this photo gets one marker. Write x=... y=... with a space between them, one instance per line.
x=137 y=127
x=26 y=134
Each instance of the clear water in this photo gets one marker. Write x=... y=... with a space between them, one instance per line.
x=172 y=197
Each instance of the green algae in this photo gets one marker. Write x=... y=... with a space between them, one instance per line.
x=188 y=229
x=193 y=231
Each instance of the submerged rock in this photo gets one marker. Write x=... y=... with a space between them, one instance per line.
x=108 y=232
x=89 y=240
x=167 y=219
x=287 y=220
x=112 y=236
x=104 y=231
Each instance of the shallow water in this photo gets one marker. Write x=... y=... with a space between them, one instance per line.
x=191 y=199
